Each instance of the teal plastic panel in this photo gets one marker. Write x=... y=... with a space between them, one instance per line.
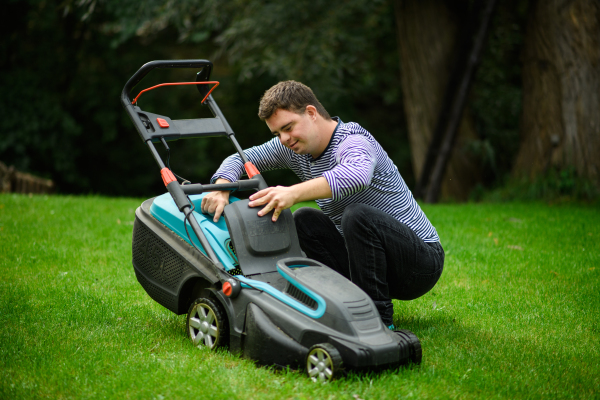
x=284 y=298
x=164 y=209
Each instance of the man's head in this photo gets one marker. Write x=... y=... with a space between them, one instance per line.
x=291 y=96
x=293 y=114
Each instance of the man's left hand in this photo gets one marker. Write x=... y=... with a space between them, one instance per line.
x=276 y=198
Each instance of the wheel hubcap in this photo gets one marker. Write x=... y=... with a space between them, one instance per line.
x=203 y=326
x=320 y=366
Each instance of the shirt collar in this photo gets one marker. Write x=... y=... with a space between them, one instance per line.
x=339 y=122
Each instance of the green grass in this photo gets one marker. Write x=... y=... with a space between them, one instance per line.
x=514 y=315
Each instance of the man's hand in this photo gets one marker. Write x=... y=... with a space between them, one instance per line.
x=281 y=197
x=214 y=202
x=276 y=198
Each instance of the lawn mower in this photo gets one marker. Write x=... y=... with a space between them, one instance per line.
x=244 y=281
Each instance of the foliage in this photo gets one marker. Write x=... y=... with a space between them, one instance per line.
x=347 y=54
x=64 y=121
x=553 y=186
x=60 y=114
x=332 y=48
x=496 y=97
x=513 y=311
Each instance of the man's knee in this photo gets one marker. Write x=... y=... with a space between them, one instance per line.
x=356 y=217
x=306 y=217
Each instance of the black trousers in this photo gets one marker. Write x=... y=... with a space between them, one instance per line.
x=379 y=254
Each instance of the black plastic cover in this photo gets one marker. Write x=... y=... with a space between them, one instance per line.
x=259 y=242
x=163 y=262
x=267 y=344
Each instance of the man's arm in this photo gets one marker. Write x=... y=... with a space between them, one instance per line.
x=356 y=162
x=267 y=156
x=280 y=198
x=352 y=175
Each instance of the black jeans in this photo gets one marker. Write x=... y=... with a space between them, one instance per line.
x=379 y=254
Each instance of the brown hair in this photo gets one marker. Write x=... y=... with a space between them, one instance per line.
x=291 y=96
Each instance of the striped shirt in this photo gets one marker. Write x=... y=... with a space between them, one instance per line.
x=357 y=169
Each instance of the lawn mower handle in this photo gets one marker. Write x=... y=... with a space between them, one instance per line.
x=160 y=64
x=196 y=188
x=176 y=190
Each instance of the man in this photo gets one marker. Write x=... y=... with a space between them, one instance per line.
x=369 y=227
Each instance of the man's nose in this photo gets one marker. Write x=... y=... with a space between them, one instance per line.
x=284 y=138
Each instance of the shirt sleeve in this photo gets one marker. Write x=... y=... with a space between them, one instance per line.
x=268 y=156
x=356 y=159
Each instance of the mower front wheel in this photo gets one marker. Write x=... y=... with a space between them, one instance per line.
x=207 y=324
x=323 y=363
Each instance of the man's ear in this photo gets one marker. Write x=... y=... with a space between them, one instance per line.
x=312 y=112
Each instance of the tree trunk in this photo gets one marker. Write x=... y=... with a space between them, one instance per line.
x=428 y=36
x=561 y=89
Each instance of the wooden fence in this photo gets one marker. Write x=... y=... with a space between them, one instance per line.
x=13 y=181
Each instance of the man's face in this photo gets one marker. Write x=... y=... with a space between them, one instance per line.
x=295 y=131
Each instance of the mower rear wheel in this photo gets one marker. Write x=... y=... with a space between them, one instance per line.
x=207 y=324
x=323 y=363
x=416 y=352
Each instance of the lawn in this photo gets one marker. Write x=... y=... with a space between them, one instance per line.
x=515 y=314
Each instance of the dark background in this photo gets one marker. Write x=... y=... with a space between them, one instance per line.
x=63 y=65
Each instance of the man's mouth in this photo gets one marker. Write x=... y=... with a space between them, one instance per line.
x=293 y=144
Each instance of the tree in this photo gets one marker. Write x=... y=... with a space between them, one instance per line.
x=62 y=121
x=330 y=46
x=350 y=56
x=561 y=98
x=432 y=47
x=343 y=53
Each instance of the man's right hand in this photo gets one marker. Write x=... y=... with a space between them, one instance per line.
x=214 y=202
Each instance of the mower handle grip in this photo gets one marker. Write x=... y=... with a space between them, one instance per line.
x=158 y=64
x=196 y=188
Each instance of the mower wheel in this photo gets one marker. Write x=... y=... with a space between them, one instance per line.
x=207 y=324
x=416 y=352
x=323 y=363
